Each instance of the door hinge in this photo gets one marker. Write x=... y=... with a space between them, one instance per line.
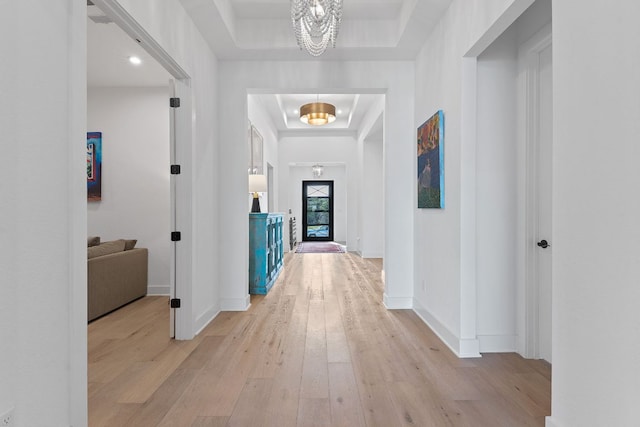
x=174 y=102
x=174 y=303
x=175 y=169
x=176 y=236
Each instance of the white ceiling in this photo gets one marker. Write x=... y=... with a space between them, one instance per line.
x=108 y=52
x=370 y=30
x=261 y=29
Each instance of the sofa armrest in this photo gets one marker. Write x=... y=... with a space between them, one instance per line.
x=116 y=279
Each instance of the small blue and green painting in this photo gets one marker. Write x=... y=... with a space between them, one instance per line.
x=94 y=166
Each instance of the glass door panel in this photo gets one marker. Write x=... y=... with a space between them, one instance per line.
x=317 y=206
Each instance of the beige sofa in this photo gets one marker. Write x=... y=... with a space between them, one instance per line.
x=117 y=275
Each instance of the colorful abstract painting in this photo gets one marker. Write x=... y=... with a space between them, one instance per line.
x=431 y=162
x=94 y=166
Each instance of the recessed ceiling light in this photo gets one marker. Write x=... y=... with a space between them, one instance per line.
x=339 y=111
x=135 y=60
x=296 y=112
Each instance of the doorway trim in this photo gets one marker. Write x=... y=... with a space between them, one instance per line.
x=466 y=343
x=529 y=345
x=271 y=207
x=181 y=197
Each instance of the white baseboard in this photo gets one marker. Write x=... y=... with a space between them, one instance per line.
x=158 y=290
x=497 y=343
x=371 y=255
x=469 y=348
x=235 y=304
x=397 y=303
x=550 y=422
x=448 y=337
x=205 y=318
x=461 y=348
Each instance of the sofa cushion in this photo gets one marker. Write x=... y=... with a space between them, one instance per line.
x=129 y=244
x=93 y=241
x=105 y=248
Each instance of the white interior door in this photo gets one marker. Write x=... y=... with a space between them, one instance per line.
x=180 y=286
x=544 y=199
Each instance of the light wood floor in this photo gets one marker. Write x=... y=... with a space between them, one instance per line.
x=319 y=350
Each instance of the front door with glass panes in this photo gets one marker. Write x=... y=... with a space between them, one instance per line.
x=317 y=211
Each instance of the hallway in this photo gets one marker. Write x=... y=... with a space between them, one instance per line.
x=319 y=350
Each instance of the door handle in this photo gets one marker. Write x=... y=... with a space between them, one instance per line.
x=543 y=244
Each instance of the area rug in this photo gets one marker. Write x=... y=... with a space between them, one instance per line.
x=319 y=248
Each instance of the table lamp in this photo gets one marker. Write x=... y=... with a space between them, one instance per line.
x=257 y=184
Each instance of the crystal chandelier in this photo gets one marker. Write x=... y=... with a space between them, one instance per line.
x=317 y=170
x=316 y=23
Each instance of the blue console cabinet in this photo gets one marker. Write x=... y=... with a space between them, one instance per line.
x=265 y=251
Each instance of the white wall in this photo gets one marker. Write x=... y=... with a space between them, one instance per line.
x=537 y=16
x=496 y=184
x=596 y=321
x=43 y=196
x=595 y=318
x=467 y=288
x=370 y=149
x=261 y=120
x=372 y=200
x=43 y=189
x=445 y=288
x=393 y=78
x=135 y=183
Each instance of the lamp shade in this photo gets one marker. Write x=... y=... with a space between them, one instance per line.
x=257 y=183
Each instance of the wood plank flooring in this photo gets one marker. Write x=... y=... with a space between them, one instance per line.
x=319 y=350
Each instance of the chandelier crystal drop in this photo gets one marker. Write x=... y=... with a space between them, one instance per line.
x=316 y=23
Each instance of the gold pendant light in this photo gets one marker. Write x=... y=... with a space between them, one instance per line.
x=317 y=113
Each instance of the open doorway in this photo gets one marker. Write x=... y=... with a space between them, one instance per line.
x=512 y=187
x=146 y=134
x=347 y=151
x=158 y=321
x=127 y=103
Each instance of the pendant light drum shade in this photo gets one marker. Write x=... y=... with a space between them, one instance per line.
x=318 y=113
